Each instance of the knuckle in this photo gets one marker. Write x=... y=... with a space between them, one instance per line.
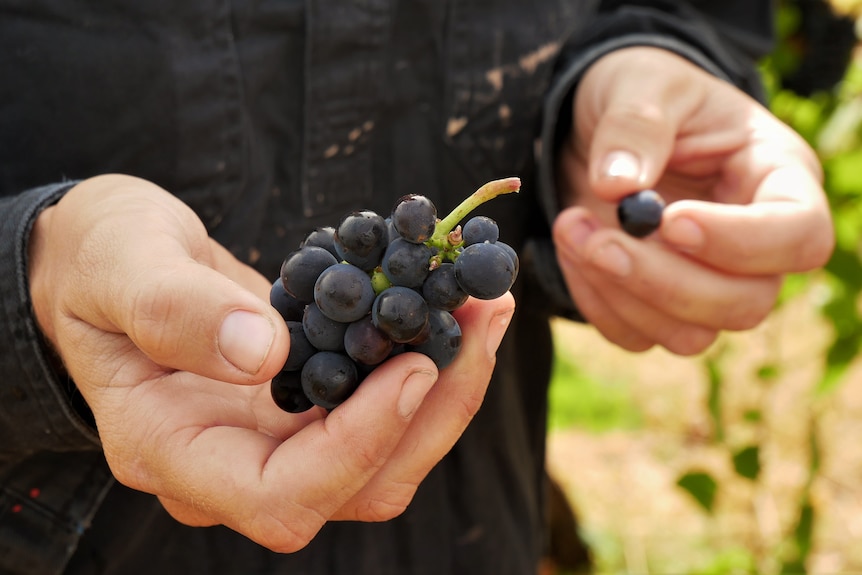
x=287 y=536
x=638 y=117
x=396 y=497
x=153 y=316
x=361 y=451
x=470 y=398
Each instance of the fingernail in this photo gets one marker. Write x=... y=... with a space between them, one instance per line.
x=613 y=259
x=621 y=164
x=497 y=329
x=414 y=390
x=684 y=233
x=244 y=339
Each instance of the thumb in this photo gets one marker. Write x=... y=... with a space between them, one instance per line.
x=127 y=258
x=629 y=110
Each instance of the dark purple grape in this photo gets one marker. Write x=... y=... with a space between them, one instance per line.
x=485 y=271
x=415 y=218
x=329 y=378
x=361 y=238
x=444 y=338
x=512 y=254
x=640 y=213
x=300 y=348
x=405 y=263
x=344 y=293
x=323 y=333
x=441 y=290
x=480 y=229
x=400 y=312
x=322 y=238
x=290 y=308
x=287 y=393
x=300 y=270
x=365 y=343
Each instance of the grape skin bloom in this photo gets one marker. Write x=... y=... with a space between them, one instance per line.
x=323 y=333
x=406 y=264
x=401 y=313
x=300 y=271
x=444 y=338
x=480 y=229
x=344 y=293
x=328 y=378
x=414 y=218
x=365 y=343
x=361 y=239
x=441 y=289
x=485 y=271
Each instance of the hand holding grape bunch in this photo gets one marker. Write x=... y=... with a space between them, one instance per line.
x=171 y=342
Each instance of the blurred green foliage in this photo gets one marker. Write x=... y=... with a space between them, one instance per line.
x=830 y=120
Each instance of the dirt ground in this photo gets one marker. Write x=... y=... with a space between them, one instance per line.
x=623 y=483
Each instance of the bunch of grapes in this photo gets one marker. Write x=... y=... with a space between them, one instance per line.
x=370 y=288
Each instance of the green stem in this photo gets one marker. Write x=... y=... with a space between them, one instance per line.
x=487 y=192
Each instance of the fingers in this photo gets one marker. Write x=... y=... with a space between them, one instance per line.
x=362 y=462
x=443 y=416
x=787 y=229
x=216 y=469
x=639 y=292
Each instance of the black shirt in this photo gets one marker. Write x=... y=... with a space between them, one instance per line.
x=270 y=118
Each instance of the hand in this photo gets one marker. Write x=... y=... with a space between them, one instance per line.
x=745 y=203
x=172 y=343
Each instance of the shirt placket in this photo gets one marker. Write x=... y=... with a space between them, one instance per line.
x=345 y=63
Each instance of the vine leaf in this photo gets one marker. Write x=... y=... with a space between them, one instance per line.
x=701 y=486
x=747 y=462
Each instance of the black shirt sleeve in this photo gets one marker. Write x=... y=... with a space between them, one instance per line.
x=35 y=408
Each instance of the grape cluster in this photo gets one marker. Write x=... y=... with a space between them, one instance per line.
x=354 y=295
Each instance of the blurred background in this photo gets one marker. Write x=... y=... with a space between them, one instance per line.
x=747 y=458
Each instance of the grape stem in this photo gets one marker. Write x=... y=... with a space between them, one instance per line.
x=487 y=192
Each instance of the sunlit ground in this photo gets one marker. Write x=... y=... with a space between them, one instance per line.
x=625 y=427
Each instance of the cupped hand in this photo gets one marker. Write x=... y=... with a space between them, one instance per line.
x=172 y=343
x=745 y=203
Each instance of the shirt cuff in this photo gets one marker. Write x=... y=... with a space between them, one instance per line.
x=36 y=411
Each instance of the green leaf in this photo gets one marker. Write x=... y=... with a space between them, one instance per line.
x=701 y=486
x=746 y=462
